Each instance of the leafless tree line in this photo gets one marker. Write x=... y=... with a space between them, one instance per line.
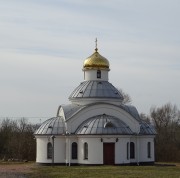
x=16 y=140
x=166 y=120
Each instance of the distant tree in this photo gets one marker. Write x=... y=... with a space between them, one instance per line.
x=145 y=117
x=127 y=99
x=16 y=139
x=167 y=122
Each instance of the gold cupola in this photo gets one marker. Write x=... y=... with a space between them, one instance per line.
x=96 y=61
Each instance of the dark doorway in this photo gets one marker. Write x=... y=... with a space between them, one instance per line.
x=108 y=153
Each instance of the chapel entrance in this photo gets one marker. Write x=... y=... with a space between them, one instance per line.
x=108 y=153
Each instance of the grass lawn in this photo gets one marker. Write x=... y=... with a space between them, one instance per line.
x=105 y=172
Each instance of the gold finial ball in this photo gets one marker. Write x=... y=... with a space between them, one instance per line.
x=96 y=61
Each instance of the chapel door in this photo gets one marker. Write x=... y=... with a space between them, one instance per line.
x=108 y=153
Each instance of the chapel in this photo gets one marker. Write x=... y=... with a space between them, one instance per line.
x=95 y=128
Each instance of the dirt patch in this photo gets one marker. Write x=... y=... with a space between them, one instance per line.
x=15 y=170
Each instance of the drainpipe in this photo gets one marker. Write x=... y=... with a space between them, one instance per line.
x=129 y=156
x=52 y=149
x=137 y=149
x=68 y=148
x=66 y=154
x=69 y=152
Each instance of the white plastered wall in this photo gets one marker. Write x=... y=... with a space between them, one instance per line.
x=62 y=149
x=143 y=155
x=121 y=150
x=41 y=149
x=95 y=150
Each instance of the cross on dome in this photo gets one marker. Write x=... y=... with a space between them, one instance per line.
x=96 y=49
x=96 y=61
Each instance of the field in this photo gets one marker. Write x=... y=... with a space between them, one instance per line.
x=30 y=170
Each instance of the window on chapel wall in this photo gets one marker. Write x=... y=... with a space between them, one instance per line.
x=98 y=74
x=149 y=149
x=49 y=150
x=74 y=150
x=132 y=150
x=85 y=150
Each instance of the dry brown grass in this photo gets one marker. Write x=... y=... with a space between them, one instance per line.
x=15 y=170
x=31 y=170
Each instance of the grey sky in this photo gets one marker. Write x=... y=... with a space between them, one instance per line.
x=43 y=44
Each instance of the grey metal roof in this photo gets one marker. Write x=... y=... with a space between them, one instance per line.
x=103 y=125
x=131 y=110
x=147 y=129
x=52 y=126
x=71 y=109
x=96 y=89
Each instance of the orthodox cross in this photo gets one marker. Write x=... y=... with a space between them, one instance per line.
x=96 y=49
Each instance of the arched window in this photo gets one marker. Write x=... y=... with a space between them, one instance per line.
x=132 y=150
x=74 y=150
x=49 y=150
x=85 y=150
x=98 y=74
x=127 y=150
x=149 y=149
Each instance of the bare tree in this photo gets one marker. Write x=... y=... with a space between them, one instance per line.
x=16 y=139
x=165 y=116
x=167 y=122
x=127 y=99
x=145 y=117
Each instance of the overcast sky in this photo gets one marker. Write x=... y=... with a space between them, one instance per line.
x=43 y=44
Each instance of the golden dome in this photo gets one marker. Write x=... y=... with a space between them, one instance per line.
x=96 y=61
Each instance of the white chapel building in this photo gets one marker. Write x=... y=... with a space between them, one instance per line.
x=96 y=128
